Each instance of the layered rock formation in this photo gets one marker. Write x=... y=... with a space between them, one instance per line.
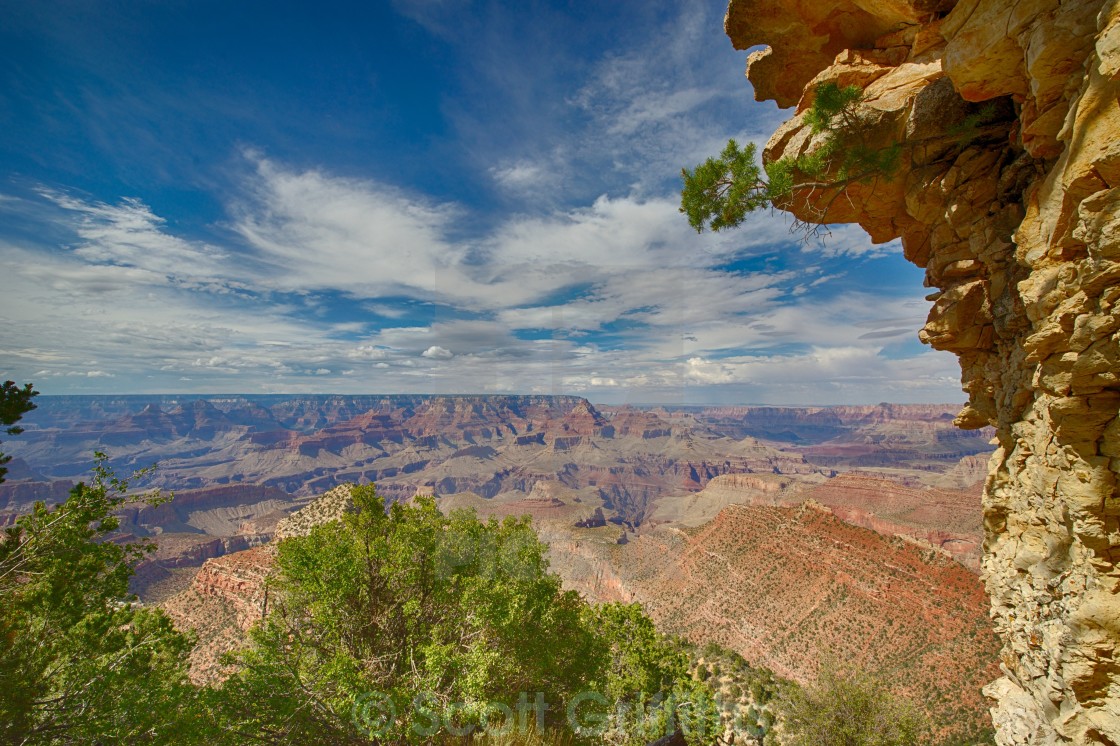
x=786 y=587
x=941 y=518
x=1007 y=114
x=227 y=597
x=302 y=446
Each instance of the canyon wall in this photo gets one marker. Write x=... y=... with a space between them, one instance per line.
x=1007 y=114
x=786 y=586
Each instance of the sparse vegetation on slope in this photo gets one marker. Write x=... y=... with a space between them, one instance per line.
x=783 y=585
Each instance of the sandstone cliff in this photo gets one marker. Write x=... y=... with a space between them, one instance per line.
x=1008 y=117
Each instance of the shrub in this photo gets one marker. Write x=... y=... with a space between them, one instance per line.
x=848 y=710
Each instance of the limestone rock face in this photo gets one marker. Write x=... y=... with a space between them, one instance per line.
x=1008 y=115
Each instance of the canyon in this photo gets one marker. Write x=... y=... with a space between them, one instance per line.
x=1008 y=126
x=788 y=535
x=233 y=461
x=789 y=588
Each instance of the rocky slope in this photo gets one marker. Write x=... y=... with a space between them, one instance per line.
x=786 y=587
x=1007 y=195
x=780 y=585
x=225 y=598
x=946 y=519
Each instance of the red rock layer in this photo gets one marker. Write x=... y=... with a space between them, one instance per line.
x=790 y=587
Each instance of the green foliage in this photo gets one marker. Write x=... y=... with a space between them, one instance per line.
x=831 y=101
x=641 y=658
x=853 y=710
x=82 y=662
x=15 y=402
x=722 y=191
x=402 y=604
x=647 y=681
x=402 y=625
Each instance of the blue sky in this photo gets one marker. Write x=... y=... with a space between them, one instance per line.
x=447 y=196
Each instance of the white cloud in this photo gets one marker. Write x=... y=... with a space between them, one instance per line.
x=623 y=232
x=643 y=112
x=436 y=352
x=832 y=366
x=848 y=241
x=677 y=317
x=132 y=239
x=368 y=352
x=706 y=371
x=316 y=231
x=521 y=175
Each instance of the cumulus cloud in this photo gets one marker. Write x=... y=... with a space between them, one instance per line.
x=435 y=352
x=706 y=371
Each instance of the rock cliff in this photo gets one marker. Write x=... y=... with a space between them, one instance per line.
x=225 y=598
x=1007 y=114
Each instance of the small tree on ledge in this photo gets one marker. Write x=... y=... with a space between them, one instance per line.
x=720 y=192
